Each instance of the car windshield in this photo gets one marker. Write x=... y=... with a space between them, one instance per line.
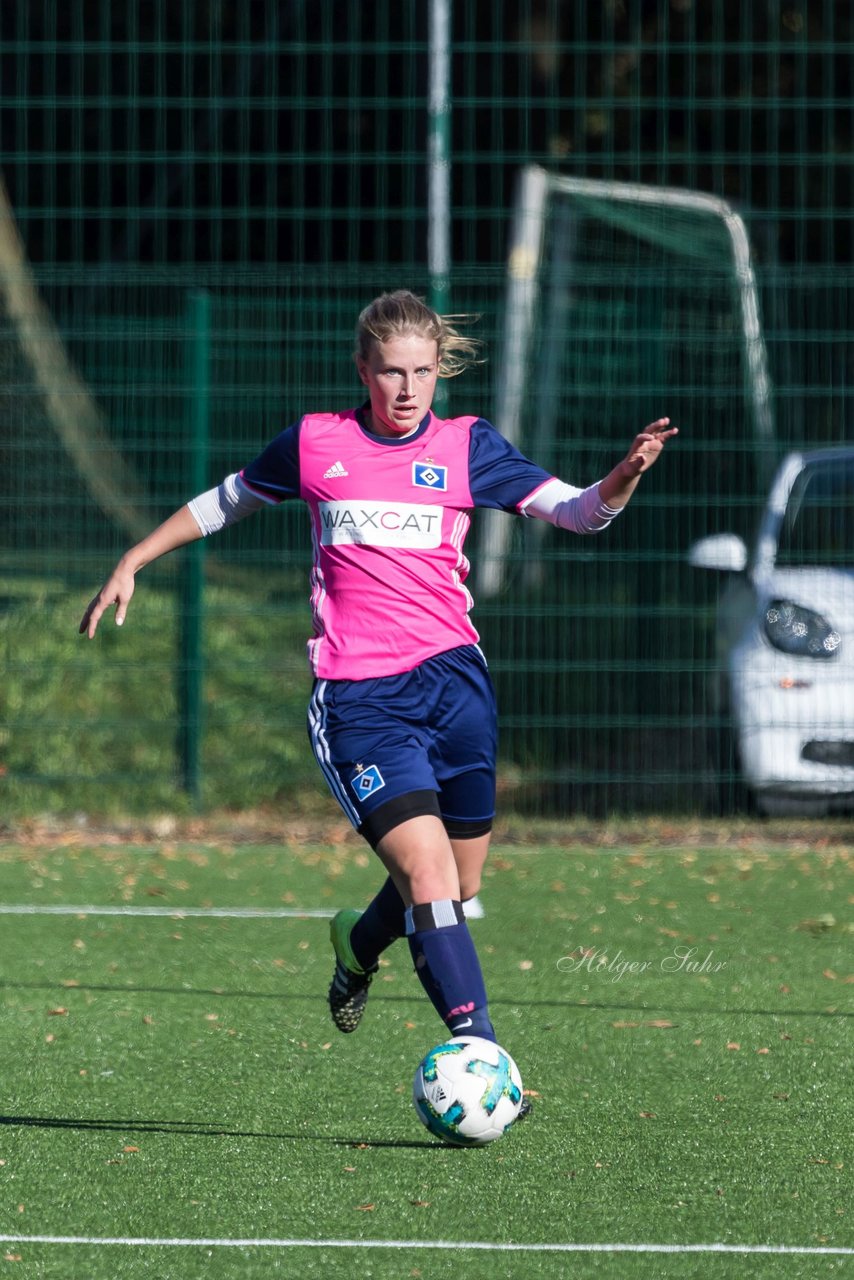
x=818 y=527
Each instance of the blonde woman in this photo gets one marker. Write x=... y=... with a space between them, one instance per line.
x=402 y=718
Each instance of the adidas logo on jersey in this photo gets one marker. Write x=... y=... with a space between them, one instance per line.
x=337 y=469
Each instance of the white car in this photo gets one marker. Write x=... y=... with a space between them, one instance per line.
x=785 y=637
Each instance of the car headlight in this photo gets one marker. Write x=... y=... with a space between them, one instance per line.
x=800 y=631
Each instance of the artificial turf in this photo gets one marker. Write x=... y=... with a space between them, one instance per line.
x=683 y=1018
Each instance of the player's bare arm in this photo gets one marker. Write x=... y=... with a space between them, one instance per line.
x=619 y=485
x=175 y=532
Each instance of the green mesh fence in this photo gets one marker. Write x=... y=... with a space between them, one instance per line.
x=686 y=250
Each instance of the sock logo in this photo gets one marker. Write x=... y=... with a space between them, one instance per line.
x=461 y=1026
x=462 y=1008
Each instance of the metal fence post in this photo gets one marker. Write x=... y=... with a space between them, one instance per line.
x=191 y=639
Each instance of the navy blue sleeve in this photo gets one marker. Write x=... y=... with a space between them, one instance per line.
x=499 y=475
x=275 y=473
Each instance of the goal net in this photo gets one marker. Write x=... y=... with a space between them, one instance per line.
x=59 y=460
x=623 y=303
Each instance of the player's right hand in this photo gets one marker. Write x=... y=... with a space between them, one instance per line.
x=117 y=590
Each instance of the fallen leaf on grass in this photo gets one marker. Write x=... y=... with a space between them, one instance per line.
x=647 y=1115
x=821 y=925
x=420 y=1204
x=130 y=1149
x=732 y=1044
x=57 y=1013
x=365 y=1208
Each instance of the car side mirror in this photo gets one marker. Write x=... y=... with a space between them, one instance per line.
x=724 y=552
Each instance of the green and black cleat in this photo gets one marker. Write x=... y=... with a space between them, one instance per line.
x=348 y=991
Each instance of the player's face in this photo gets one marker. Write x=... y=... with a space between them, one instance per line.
x=400 y=375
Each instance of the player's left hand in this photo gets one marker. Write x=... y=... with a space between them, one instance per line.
x=646 y=447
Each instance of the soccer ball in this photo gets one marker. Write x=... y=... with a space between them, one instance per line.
x=467 y=1091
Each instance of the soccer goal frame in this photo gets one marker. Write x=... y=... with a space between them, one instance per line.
x=524 y=265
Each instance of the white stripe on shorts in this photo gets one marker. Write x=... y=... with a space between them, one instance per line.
x=320 y=746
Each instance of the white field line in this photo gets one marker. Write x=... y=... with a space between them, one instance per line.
x=214 y=1242
x=171 y=913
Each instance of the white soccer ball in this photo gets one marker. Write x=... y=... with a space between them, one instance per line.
x=467 y=1091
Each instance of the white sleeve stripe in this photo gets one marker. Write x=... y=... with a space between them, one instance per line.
x=522 y=507
x=227 y=503
x=266 y=498
x=578 y=510
x=549 y=494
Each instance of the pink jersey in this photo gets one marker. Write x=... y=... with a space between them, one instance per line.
x=389 y=521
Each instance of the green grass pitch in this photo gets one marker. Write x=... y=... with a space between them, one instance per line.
x=683 y=1016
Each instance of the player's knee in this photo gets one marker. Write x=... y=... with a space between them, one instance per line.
x=470 y=842
x=433 y=884
x=469 y=885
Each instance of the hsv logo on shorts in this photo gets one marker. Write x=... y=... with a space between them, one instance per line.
x=367 y=781
x=427 y=475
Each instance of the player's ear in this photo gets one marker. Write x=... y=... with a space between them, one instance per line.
x=361 y=368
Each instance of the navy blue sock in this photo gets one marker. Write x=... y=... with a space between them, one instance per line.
x=448 y=968
x=382 y=923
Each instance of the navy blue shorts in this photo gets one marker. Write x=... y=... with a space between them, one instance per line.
x=430 y=732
